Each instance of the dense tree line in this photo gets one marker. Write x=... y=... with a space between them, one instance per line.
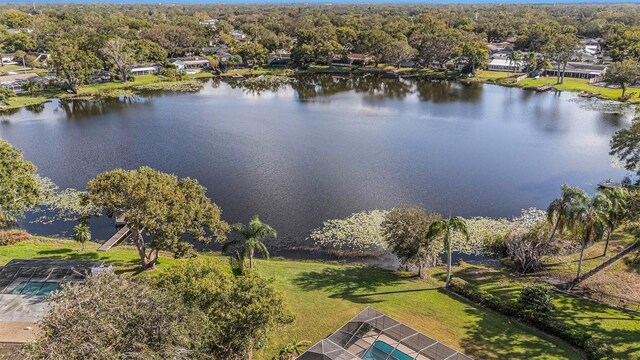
x=83 y=38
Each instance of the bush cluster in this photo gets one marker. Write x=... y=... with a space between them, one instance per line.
x=595 y=348
x=10 y=237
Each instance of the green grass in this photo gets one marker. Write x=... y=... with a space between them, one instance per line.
x=325 y=296
x=577 y=85
x=618 y=328
x=487 y=75
x=570 y=84
x=565 y=267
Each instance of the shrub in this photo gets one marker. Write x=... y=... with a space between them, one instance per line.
x=537 y=298
x=10 y=237
x=240 y=310
x=110 y=316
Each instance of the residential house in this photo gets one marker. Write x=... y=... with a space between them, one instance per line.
x=16 y=82
x=580 y=70
x=138 y=70
x=279 y=59
x=8 y=59
x=499 y=47
x=190 y=63
x=212 y=23
x=352 y=59
x=591 y=46
x=237 y=35
x=503 y=64
x=220 y=51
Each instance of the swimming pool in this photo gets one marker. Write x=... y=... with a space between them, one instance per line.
x=42 y=288
x=380 y=350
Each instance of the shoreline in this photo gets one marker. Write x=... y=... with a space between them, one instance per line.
x=115 y=89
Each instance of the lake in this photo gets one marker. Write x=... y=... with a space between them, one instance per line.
x=326 y=147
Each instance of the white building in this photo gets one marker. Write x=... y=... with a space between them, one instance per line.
x=501 y=64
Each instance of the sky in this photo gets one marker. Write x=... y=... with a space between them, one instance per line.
x=334 y=1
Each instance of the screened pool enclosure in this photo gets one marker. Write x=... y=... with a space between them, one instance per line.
x=372 y=335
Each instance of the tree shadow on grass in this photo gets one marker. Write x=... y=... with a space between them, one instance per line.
x=55 y=251
x=358 y=284
x=124 y=266
x=490 y=335
x=620 y=331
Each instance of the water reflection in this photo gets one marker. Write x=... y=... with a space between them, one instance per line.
x=323 y=147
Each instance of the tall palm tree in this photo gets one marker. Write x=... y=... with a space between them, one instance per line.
x=590 y=221
x=514 y=58
x=251 y=240
x=560 y=208
x=617 y=198
x=445 y=228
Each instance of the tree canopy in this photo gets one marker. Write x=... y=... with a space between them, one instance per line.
x=160 y=206
x=405 y=231
x=240 y=310
x=19 y=189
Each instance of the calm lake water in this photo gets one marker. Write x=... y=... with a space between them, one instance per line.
x=326 y=147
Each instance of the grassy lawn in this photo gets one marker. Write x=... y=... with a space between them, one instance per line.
x=570 y=84
x=619 y=328
x=325 y=296
x=564 y=268
x=577 y=85
x=487 y=75
x=259 y=71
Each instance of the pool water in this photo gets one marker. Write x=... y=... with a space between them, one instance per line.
x=380 y=350
x=41 y=288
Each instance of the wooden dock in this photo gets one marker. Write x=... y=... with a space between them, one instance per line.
x=543 y=88
x=116 y=239
x=121 y=220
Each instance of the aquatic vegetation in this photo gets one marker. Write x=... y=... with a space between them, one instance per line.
x=360 y=234
x=182 y=86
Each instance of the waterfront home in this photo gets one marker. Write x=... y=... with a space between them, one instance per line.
x=503 y=64
x=279 y=59
x=352 y=59
x=186 y=63
x=580 y=70
x=138 y=70
x=16 y=82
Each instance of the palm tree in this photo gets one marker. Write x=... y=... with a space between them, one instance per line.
x=445 y=228
x=617 y=198
x=590 y=220
x=251 y=240
x=292 y=349
x=31 y=87
x=514 y=58
x=82 y=233
x=560 y=207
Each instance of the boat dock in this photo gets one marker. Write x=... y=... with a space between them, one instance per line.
x=543 y=88
x=116 y=239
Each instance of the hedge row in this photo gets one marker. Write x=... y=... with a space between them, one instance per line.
x=596 y=349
